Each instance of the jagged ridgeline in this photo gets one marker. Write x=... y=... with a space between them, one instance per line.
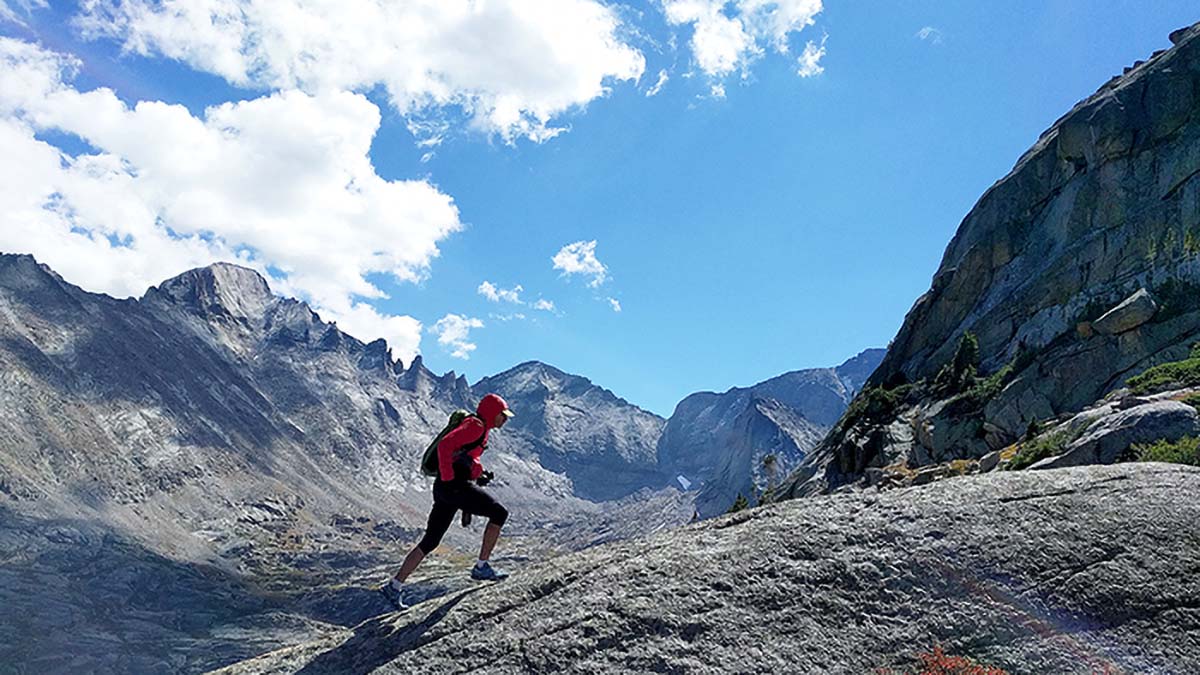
x=1076 y=271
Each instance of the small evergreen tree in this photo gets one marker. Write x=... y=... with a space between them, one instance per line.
x=739 y=504
x=966 y=356
x=959 y=374
x=770 y=464
x=1032 y=430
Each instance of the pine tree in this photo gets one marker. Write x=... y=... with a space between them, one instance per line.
x=959 y=374
x=770 y=463
x=739 y=504
x=1032 y=430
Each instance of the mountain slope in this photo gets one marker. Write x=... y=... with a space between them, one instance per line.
x=719 y=441
x=604 y=444
x=1069 y=571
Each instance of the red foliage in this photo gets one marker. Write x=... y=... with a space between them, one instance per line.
x=939 y=662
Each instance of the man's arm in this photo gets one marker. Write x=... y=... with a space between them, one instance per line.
x=468 y=432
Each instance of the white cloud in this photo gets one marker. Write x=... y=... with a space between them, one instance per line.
x=429 y=55
x=717 y=90
x=615 y=304
x=810 y=60
x=488 y=290
x=930 y=34
x=507 y=317
x=403 y=333
x=453 y=333
x=580 y=258
x=729 y=35
x=662 y=80
x=544 y=305
x=281 y=182
x=7 y=13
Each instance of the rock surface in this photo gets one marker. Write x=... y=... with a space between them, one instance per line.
x=1066 y=571
x=1110 y=436
x=1134 y=311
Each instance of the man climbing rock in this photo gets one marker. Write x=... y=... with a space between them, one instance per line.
x=457 y=486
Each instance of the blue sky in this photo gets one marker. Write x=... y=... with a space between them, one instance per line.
x=787 y=224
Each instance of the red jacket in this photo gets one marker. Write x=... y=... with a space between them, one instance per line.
x=471 y=430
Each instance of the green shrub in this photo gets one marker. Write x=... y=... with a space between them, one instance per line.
x=875 y=404
x=1049 y=445
x=739 y=504
x=1184 y=373
x=983 y=390
x=1184 y=451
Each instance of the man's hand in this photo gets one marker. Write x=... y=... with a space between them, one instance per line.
x=484 y=478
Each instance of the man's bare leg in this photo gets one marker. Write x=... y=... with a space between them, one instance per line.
x=414 y=558
x=491 y=534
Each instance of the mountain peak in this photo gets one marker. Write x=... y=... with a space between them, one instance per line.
x=858 y=368
x=218 y=289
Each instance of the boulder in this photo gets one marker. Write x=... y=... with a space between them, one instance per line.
x=989 y=461
x=1107 y=438
x=1133 y=311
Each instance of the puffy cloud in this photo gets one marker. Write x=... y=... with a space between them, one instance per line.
x=427 y=54
x=282 y=183
x=580 y=258
x=489 y=290
x=729 y=35
x=615 y=304
x=453 y=333
x=930 y=34
x=403 y=333
x=810 y=59
x=544 y=305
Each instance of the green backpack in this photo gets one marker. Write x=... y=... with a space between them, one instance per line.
x=429 y=463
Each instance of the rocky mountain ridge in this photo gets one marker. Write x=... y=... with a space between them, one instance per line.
x=604 y=444
x=211 y=430
x=720 y=441
x=1076 y=271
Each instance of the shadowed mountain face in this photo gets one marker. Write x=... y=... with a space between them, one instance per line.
x=1076 y=571
x=1077 y=270
x=746 y=440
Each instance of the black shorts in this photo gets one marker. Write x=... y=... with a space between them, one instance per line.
x=448 y=498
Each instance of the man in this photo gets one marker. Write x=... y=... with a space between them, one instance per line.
x=458 y=465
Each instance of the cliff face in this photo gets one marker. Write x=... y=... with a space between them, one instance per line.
x=1075 y=271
